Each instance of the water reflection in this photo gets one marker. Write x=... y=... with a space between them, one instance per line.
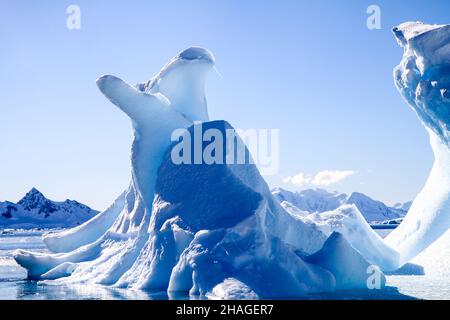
x=33 y=290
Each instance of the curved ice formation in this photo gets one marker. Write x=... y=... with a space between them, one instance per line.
x=173 y=109
x=423 y=79
x=119 y=231
x=212 y=230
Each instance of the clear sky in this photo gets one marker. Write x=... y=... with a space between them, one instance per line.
x=311 y=69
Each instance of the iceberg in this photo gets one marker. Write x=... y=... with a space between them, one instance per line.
x=209 y=230
x=114 y=238
x=349 y=268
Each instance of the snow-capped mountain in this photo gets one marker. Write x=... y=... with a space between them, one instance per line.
x=403 y=205
x=319 y=200
x=34 y=210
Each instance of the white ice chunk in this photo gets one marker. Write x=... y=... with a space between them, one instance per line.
x=63 y=270
x=232 y=289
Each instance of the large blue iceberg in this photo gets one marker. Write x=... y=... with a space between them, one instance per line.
x=215 y=230
x=208 y=229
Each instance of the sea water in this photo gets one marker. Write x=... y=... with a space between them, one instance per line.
x=14 y=284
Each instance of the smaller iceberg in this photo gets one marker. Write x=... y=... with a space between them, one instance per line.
x=349 y=222
x=348 y=267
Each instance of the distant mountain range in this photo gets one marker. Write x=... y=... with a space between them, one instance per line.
x=319 y=200
x=34 y=210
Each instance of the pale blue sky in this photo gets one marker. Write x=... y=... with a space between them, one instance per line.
x=311 y=69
